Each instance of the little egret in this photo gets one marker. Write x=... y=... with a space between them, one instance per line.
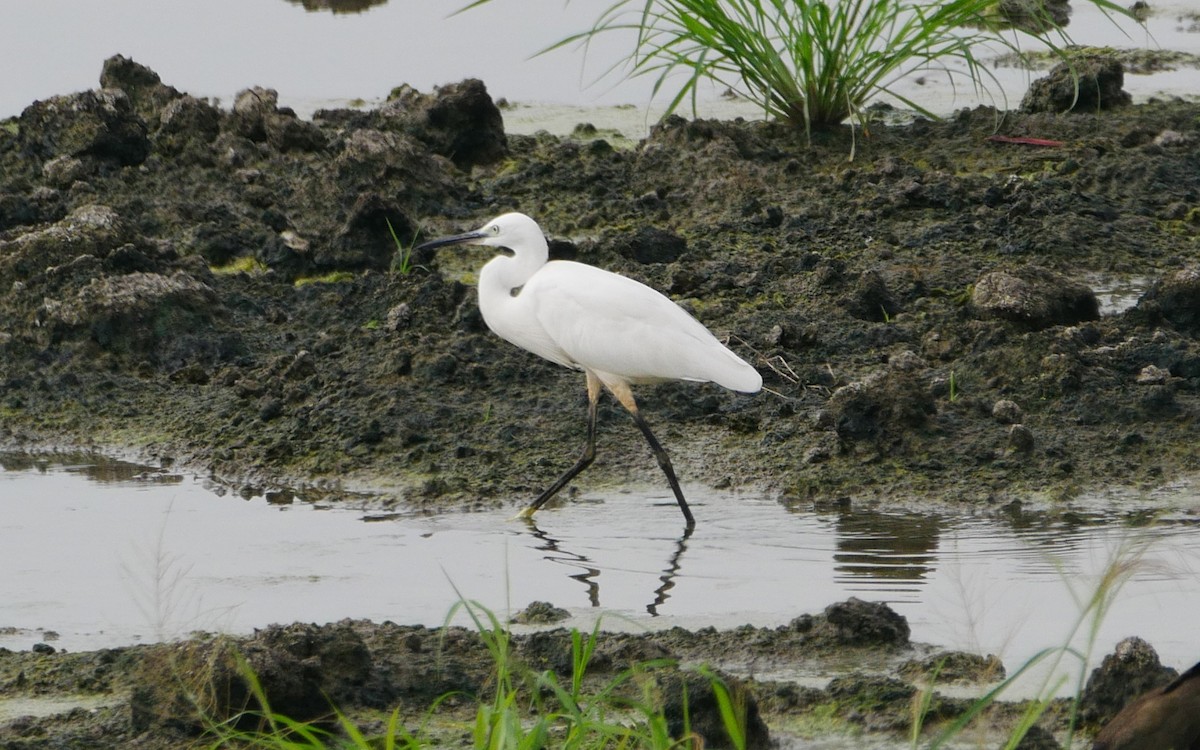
x=618 y=331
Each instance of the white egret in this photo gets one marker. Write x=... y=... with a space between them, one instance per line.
x=618 y=331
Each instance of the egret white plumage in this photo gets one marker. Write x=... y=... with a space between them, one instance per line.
x=618 y=331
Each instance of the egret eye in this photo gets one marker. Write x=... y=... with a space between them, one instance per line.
x=495 y=229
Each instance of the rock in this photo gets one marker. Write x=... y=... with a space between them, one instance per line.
x=286 y=132
x=99 y=125
x=1153 y=375
x=1132 y=669
x=540 y=613
x=955 y=666
x=458 y=121
x=860 y=623
x=163 y=319
x=141 y=84
x=1174 y=298
x=63 y=171
x=1035 y=296
x=882 y=404
x=257 y=116
x=302 y=670
x=1038 y=738
x=652 y=245
x=870 y=298
x=1034 y=16
x=187 y=122
x=251 y=107
x=1085 y=83
x=90 y=230
x=690 y=704
x=1020 y=439
x=877 y=702
x=365 y=241
x=1005 y=411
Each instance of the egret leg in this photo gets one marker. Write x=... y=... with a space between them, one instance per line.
x=625 y=396
x=585 y=460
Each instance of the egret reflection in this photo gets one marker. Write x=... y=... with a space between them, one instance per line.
x=589 y=575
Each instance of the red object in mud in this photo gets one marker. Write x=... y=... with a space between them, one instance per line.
x=1024 y=140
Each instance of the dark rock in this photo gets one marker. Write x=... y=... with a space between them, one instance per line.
x=1084 y=83
x=187 y=122
x=690 y=705
x=301 y=669
x=883 y=404
x=251 y=108
x=1175 y=298
x=1035 y=296
x=161 y=318
x=860 y=623
x=1006 y=411
x=101 y=125
x=955 y=666
x=286 y=132
x=1132 y=669
x=1038 y=738
x=1020 y=439
x=458 y=121
x=17 y=210
x=141 y=84
x=875 y=701
x=90 y=230
x=1033 y=16
x=365 y=240
x=540 y=613
x=652 y=245
x=870 y=299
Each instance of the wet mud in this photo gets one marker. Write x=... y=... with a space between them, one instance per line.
x=220 y=290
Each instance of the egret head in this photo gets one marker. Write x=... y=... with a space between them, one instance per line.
x=513 y=231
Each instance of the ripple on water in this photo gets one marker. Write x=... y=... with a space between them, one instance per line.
x=108 y=555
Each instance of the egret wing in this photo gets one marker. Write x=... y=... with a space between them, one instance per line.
x=613 y=324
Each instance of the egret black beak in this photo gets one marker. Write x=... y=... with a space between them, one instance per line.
x=455 y=239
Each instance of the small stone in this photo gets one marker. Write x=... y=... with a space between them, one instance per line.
x=1020 y=439
x=1006 y=412
x=540 y=613
x=1153 y=375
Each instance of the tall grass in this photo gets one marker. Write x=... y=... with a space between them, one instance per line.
x=812 y=63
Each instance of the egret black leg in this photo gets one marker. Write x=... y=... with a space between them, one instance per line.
x=585 y=460
x=665 y=463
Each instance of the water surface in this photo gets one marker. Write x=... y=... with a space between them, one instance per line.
x=100 y=553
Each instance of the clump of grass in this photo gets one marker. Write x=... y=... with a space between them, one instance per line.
x=402 y=263
x=811 y=63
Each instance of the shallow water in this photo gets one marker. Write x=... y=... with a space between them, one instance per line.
x=106 y=553
x=318 y=59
